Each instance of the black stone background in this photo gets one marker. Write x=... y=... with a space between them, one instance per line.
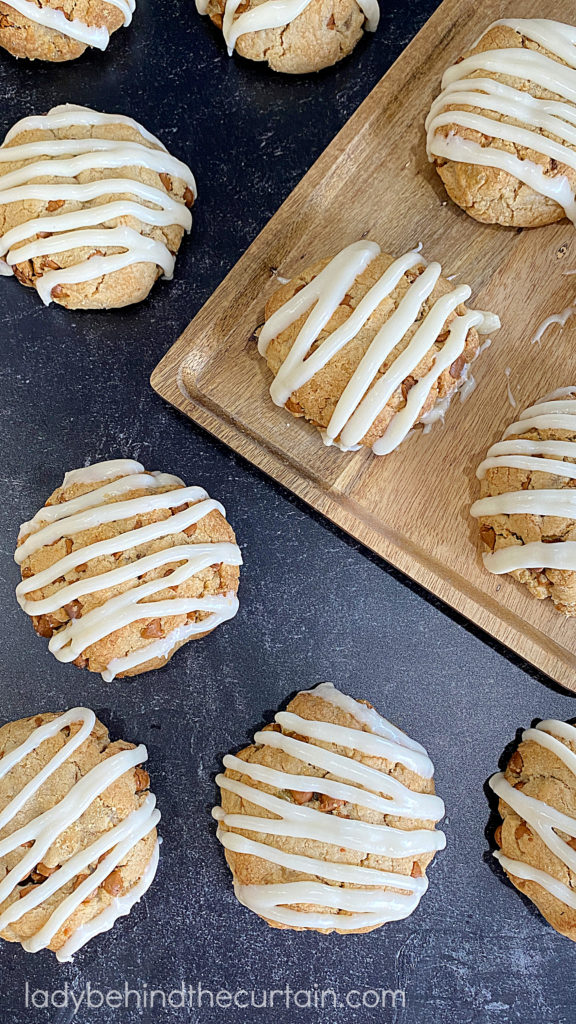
x=315 y=605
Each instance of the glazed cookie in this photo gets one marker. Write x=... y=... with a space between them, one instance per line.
x=92 y=207
x=502 y=134
x=527 y=512
x=366 y=346
x=60 y=30
x=537 y=837
x=294 y=36
x=78 y=842
x=328 y=819
x=122 y=567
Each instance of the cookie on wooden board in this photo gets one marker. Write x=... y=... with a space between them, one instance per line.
x=502 y=133
x=366 y=346
x=527 y=510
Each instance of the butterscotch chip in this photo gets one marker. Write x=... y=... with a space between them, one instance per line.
x=113 y=884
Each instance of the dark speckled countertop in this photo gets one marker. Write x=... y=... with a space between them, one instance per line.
x=314 y=606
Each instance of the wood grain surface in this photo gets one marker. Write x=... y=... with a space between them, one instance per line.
x=411 y=507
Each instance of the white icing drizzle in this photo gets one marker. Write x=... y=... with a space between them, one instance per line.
x=55 y=19
x=556 y=117
x=544 y=820
x=59 y=117
x=468 y=388
x=274 y=14
x=119 y=907
x=364 y=786
x=555 y=318
x=89 y=510
x=511 y=400
x=556 y=411
x=113 y=846
x=364 y=397
x=84 y=227
x=491 y=323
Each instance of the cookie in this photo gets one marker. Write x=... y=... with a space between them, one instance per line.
x=537 y=837
x=293 y=36
x=122 y=567
x=58 y=30
x=501 y=134
x=327 y=819
x=92 y=208
x=527 y=512
x=78 y=842
x=366 y=346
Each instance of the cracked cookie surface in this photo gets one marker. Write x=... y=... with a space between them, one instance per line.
x=321 y=787
x=72 y=835
x=100 y=567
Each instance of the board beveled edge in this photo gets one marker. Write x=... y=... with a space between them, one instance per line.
x=514 y=632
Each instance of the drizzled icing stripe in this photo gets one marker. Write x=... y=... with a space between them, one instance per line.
x=361 y=785
x=59 y=116
x=544 y=820
x=55 y=19
x=274 y=14
x=84 y=228
x=100 y=506
x=365 y=397
x=556 y=117
x=113 y=846
x=555 y=318
x=556 y=411
x=119 y=907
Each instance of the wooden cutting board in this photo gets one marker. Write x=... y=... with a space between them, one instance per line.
x=410 y=507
